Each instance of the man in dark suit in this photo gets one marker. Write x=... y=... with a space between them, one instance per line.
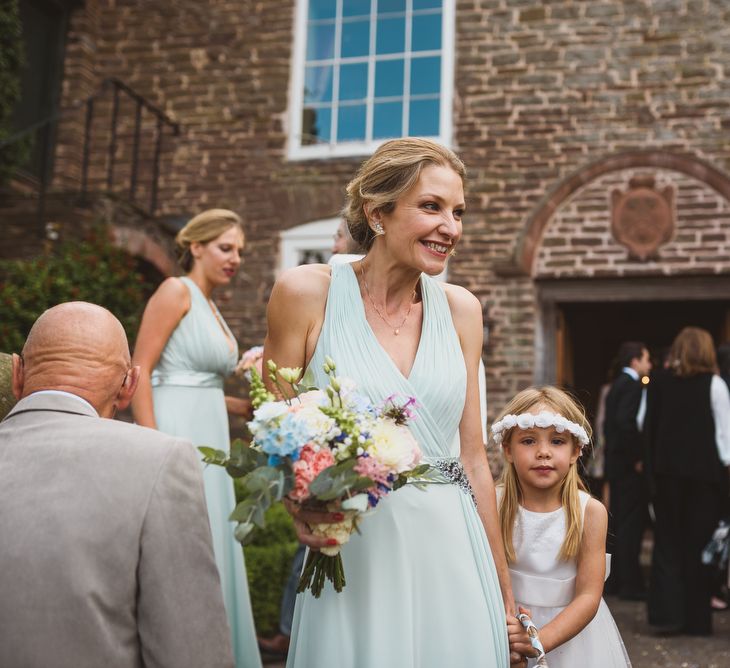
x=625 y=408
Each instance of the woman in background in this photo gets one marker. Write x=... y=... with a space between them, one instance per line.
x=185 y=350
x=688 y=427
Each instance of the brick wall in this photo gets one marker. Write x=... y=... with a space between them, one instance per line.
x=541 y=91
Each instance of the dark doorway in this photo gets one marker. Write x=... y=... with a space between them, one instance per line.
x=591 y=334
x=44 y=25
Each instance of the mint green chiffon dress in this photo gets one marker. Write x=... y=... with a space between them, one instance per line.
x=187 y=393
x=422 y=590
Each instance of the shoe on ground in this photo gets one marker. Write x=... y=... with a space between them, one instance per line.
x=278 y=646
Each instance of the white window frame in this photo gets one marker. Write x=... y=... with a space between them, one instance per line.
x=333 y=149
x=317 y=235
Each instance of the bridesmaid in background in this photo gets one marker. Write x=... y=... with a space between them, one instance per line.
x=184 y=350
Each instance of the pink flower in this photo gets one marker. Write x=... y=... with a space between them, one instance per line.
x=310 y=464
x=373 y=469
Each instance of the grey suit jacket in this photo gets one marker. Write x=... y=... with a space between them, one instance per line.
x=105 y=549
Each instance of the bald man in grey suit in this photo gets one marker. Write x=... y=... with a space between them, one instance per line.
x=105 y=550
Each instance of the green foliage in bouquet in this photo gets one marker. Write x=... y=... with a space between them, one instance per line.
x=91 y=270
x=260 y=485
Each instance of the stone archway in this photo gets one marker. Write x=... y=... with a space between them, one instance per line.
x=141 y=245
x=528 y=242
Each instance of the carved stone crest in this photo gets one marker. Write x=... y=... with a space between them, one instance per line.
x=642 y=218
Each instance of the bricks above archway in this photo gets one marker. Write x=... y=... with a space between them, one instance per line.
x=528 y=242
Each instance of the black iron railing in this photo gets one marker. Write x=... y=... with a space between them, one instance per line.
x=100 y=156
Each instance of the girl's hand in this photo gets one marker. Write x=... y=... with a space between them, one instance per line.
x=519 y=641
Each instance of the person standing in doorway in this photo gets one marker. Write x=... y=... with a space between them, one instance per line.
x=688 y=429
x=624 y=469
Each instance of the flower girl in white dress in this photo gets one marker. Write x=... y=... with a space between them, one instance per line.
x=554 y=532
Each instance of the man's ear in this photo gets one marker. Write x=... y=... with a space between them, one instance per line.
x=18 y=375
x=128 y=388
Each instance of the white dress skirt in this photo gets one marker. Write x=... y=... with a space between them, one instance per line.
x=546 y=585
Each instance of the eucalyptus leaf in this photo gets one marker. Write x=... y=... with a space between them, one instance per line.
x=213 y=456
x=243 y=533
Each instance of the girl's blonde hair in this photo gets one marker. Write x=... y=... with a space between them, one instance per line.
x=382 y=179
x=560 y=402
x=203 y=228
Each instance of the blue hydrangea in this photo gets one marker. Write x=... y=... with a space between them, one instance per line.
x=285 y=440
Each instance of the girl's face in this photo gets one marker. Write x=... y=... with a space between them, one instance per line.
x=425 y=225
x=219 y=259
x=541 y=456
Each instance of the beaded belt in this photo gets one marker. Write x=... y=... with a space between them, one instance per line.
x=447 y=471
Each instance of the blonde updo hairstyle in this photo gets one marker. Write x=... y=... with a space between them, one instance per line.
x=382 y=179
x=202 y=229
x=560 y=402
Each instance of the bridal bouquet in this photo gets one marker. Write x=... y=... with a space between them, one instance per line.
x=330 y=450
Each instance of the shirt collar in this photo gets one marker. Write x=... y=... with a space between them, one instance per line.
x=632 y=372
x=65 y=394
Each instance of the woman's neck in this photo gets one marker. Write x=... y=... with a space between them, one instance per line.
x=388 y=283
x=198 y=277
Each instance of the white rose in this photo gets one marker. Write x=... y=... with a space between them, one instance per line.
x=561 y=424
x=319 y=426
x=270 y=411
x=544 y=419
x=313 y=397
x=394 y=446
x=509 y=421
x=525 y=421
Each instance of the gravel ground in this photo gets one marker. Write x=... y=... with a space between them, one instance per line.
x=647 y=651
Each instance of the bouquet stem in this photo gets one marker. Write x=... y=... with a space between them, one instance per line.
x=318 y=568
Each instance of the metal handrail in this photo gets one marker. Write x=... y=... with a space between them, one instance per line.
x=141 y=104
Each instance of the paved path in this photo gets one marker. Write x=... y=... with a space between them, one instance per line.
x=647 y=651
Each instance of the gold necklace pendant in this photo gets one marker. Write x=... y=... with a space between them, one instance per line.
x=396 y=330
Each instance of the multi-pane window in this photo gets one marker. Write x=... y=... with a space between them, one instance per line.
x=370 y=70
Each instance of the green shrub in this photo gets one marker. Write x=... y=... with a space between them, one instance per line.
x=91 y=270
x=268 y=564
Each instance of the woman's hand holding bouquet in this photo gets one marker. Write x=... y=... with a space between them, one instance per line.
x=328 y=450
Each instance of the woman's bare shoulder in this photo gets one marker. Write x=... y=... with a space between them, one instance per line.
x=302 y=288
x=307 y=281
x=465 y=307
x=174 y=293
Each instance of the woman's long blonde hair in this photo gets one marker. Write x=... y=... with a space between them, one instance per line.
x=560 y=402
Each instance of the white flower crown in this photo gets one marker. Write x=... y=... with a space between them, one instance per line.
x=542 y=420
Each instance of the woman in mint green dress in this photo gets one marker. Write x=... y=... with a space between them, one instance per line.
x=424 y=589
x=185 y=349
